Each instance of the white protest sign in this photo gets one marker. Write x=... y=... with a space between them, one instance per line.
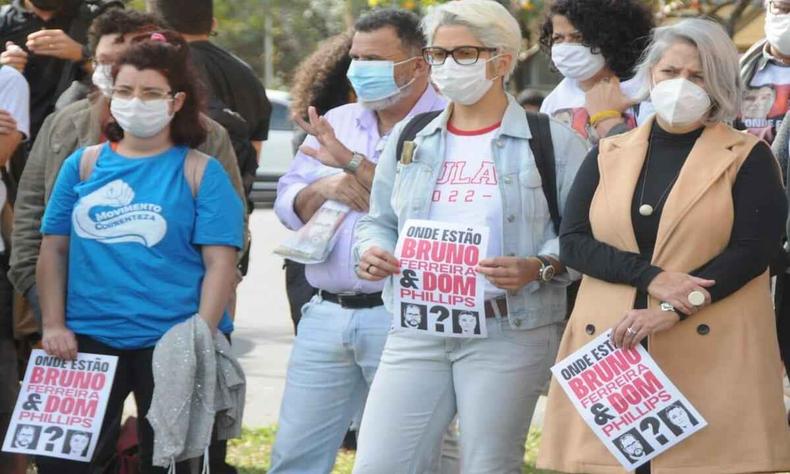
x=61 y=406
x=627 y=400
x=438 y=290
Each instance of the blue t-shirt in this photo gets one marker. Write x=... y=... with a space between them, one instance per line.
x=135 y=265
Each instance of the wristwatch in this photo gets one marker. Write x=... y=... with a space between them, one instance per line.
x=667 y=307
x=353 y=165
x=547 y=270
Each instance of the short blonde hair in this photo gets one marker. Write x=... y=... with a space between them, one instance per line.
x=487 y=20
x=718 y=57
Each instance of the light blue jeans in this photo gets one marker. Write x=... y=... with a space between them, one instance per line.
x=422 y=381
x=333 y=361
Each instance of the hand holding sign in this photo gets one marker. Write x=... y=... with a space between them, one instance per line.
x=377 y=264
x=642 y=323
x=59 y=341
x=510 y=273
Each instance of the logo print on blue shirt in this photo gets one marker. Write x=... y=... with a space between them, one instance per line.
x=118 y=220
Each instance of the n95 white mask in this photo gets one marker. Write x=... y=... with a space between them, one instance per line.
x=141 y=119
x=679 y=101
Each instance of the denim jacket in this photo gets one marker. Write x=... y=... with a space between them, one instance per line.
x=403 y=191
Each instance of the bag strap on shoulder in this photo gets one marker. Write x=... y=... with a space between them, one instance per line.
x=413 y=127
x=88 y=161
x=194 y=168
x=543 y=151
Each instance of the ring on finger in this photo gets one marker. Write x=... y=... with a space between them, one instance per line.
x=630 y=332
x=369 y=267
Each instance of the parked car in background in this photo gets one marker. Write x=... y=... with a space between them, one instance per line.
x=277 y=151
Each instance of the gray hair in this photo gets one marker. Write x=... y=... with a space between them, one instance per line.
x=487 y=20
x=718 y=57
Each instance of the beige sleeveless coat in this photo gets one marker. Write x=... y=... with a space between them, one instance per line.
x=725 y=359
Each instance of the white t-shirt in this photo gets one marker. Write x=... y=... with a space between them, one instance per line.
x=14 y=99
x=566 y=104
x=467 y=190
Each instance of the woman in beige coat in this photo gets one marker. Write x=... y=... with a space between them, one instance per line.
x=673 y=225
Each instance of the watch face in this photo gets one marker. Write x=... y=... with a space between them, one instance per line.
x=547 y=273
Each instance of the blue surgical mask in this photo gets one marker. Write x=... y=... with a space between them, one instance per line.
x=374 y=80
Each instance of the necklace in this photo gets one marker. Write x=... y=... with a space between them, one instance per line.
x=647 y=210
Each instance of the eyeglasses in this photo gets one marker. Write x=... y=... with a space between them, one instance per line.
x=778 y=8
x=463 y=55
x=127 y=93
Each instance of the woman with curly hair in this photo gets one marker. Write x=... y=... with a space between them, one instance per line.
x=595 y=44
x=320 y=81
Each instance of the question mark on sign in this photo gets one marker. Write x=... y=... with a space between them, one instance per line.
x=56 y=434
x=443 y=313
x=655 y=427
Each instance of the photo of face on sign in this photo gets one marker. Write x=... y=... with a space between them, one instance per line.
x=414 y=316
x=633 y=446
x=466 y=323
x=26 y=437
x=678 y=418
x=77 y=443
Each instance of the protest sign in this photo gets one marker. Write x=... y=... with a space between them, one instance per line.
x=439 y=290
x=627 y=400
x=61 y=405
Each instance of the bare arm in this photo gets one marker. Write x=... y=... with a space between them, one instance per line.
x=8 y=145
x=258 y=145
x=51 y=282
x=218 y=283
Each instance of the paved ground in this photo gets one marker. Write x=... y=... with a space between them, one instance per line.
x=264 y=332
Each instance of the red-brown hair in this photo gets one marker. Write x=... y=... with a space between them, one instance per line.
x=168 y=53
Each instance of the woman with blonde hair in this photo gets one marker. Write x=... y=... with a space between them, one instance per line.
x=673 y=225
x=492 y=382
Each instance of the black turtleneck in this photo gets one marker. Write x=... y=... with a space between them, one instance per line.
x=760 y=211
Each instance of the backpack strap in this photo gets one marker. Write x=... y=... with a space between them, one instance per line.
x=194 y=168
x=413 y=127
x=88 y=161
x=543 y=151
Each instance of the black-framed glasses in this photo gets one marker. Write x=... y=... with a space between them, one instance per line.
x=463 y=55
x=778 y=8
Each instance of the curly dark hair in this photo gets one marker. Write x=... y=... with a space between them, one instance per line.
x=320 y=80
x=170 y=58
x=618 y=29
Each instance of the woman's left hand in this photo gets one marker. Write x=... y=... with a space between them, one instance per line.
x=643 y=323
x=510 y=273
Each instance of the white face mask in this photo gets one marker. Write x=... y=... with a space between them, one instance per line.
x=777 y=32
x=576 y=61
x=463 y=84
x=102 y=79
x=141 y=119
x=679 y=101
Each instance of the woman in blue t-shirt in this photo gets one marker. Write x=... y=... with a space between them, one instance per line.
x=148 y=235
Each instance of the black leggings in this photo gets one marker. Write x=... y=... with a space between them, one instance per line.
x=133 y=375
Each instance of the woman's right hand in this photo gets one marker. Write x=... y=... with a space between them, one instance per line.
x=60 y=342
x=675 y=287
x=377 y=264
